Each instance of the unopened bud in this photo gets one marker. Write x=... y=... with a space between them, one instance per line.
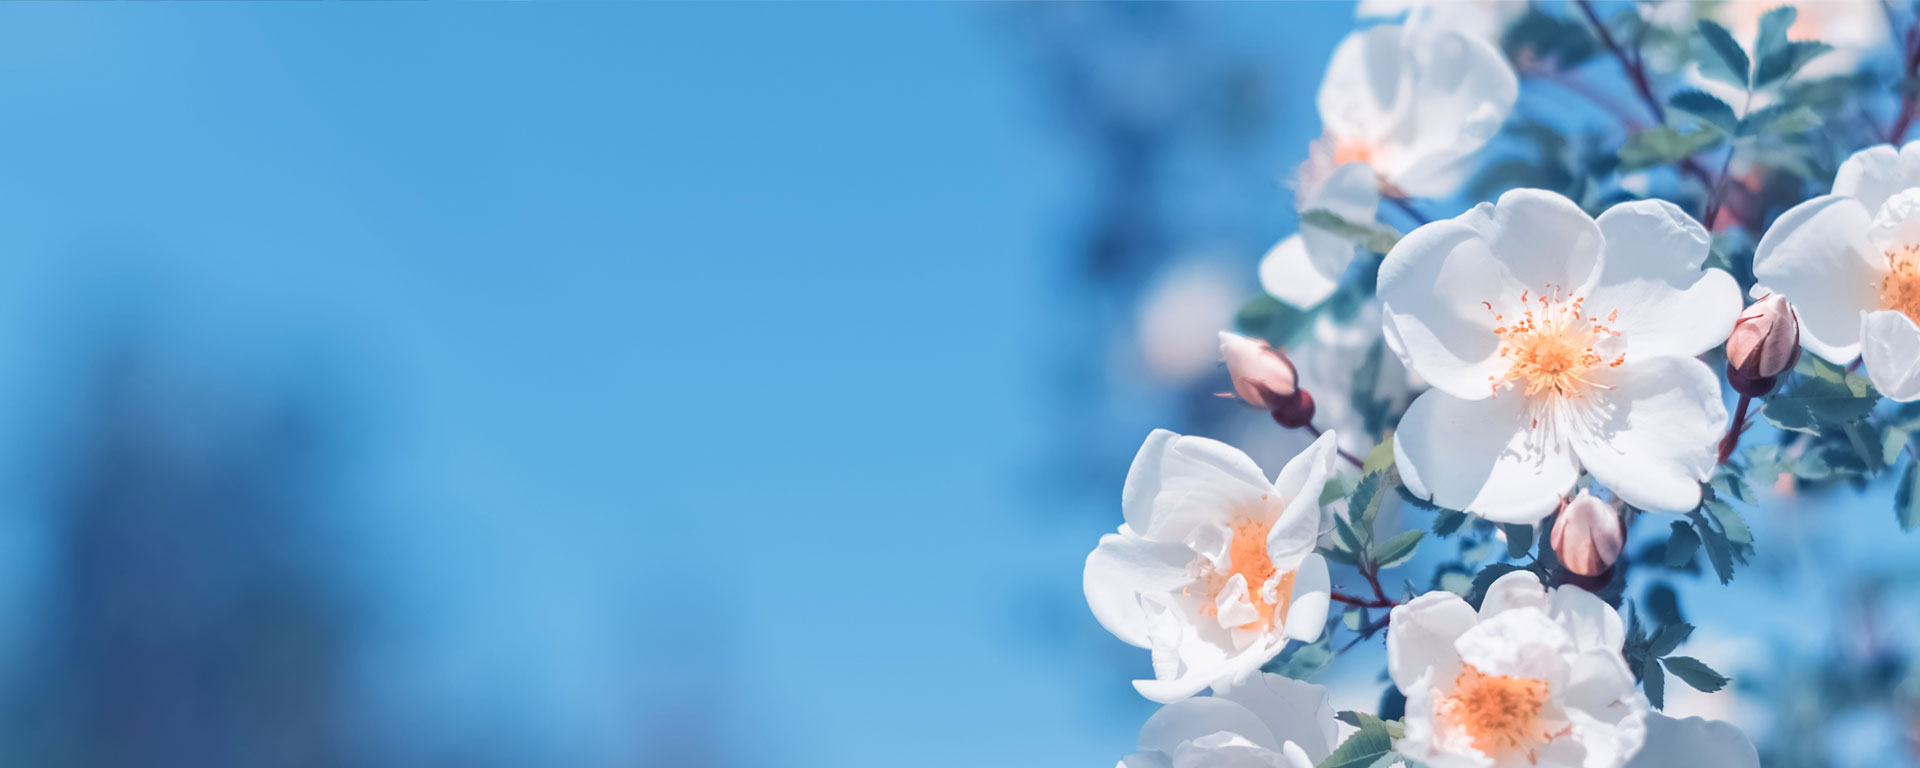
x=1588 y=536
x=1764 y=344
x=1261 y=376
x=1294 y=412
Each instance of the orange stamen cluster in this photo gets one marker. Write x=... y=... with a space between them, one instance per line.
x=1352 y=151
x=1900 y=290
x=1499 y=713
x=1247 y=556
x=1551 y=349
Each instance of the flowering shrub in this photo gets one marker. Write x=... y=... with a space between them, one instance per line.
x=1571 y=353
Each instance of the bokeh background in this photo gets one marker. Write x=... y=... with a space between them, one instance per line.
x=641 y=385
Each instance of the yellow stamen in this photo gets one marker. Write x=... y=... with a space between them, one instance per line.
x=1551 y=349
x=1247 y=556
x=1900 y=290
x=1499 y=713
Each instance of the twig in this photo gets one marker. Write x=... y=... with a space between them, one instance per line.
x=1366 y=632
x=1907 y=104
x=1732 y=440
x=1636 y=72
x=1342 y=597
x=1351 y=459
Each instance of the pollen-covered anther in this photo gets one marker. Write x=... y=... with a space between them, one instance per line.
x=1900 y=289
x=1247 y=556
x=1552 y=348
x=1498 y=713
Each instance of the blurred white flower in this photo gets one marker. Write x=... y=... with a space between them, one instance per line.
x=1554 y=342
x=1404 y=110
x=1535 y=678
x=1180 y=315
x=1483 y=20
x=1268 y=721
x=1694 y=743
x=1849 y=263
x=1329 y=362
x=1214 y=569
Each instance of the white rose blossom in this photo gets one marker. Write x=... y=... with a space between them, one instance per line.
x=1849 y=263
x=1403 y=109
x=1534 y=678
x=1694 y=743
x=1484 y=20
x=1267 y=721
x=1554 y=342
x=1214 y=569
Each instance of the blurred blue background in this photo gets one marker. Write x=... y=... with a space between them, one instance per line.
x=604 y=385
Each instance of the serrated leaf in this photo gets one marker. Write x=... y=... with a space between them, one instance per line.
x=1665 y=144
x=1669 y=638
x=1707 y=107
x=1358 y=719
x=1448 y=522
x=1892 y=442
x=1485 y=579
x=1398 y=549
x=1654 y=681
x=1719 y=551
x=1777 y=119
x=1364 y=504
x=1731 y=523
x=1355 y=618
x=1378 y=238
x=1906 y=498
x=1781 y=63
x=1360 y=750
x=1519 y=539
x=1724 y=59
x=1340 y=554
x=1380 y=458
x=1344 y=531
x=1771 y=33
x=1696 y=673
x=1681 y=545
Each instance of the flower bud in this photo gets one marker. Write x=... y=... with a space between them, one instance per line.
x=1588 y=536
x=1261 y=376
x=1764 y=344
x=1294 y=412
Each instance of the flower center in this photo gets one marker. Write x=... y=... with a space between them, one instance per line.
x=1900 y=290
x=1352 y=151
x=1499 y=713
x=1552 y=349
x=1247 y=557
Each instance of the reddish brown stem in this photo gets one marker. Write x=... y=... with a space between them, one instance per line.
x=1351 y=459
x=1342 y=597
x=1907 y=104
x=1732 y=440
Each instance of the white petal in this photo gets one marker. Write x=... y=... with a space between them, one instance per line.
x=1184 y=721
x=1420 y=635
x=1122 y=567
x=1179 y=482
x=1891 y=348
x=1294 y=711
x=1297 y=756
x=1694 y=743
x=1462 y=91
x=1431 y=287
x=1297 y=530
x=1483 y=456
x=1307 y=617
x=1817 y=255
x=1365 y=81
x=1652 y=438
x=1876 y=173
x=1519 y=589
x=1302 y=277
x=1607 y=711
x=1233 y=605
x=1651 y=276
x=1518 y=643
x=1593 y=624
x=1544 y=239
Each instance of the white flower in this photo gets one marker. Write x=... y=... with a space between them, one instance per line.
x=1214 y=568
x=1268 y=721
x=1849 y=263
x=1328 y=362
x=1536 y=678
x=1694 y=743
x=1554 y=342
x=1403 y=110
x=1484 y=20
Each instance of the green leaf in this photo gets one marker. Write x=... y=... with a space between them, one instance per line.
x=1707 y=107
x=1696 y=673
x=1364 y=504
x=1731 y=523
x=1771 y=36
x=1378 y=238
x=1777 y=119
x=1380 y=458
x=1818 y=400
x=1269 y=318
x=1344 y=531
x=1398 y=549
x=1654 y=681
x=1341 y=555
x=1359 y=719
x=1487 y=576
x=1669 y=638
x=1448 y=522
x=1360 y=750
x=1906 y=498
x=1892 y=442
x=1355 y=618
x=1519 y=539
x=1724 y=59
x=1788 y=59
x=1719 y=551
x=1665 y=144
x=1681 y=545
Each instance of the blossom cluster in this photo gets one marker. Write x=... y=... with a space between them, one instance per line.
x=1584 y=346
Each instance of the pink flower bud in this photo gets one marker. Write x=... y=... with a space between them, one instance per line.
x=1588 y=536
x=1764 y=344
x=1261 y=376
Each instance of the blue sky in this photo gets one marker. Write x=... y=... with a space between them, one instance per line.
x=682 y=361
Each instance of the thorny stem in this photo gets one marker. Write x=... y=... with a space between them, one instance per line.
x=1351 y=459
x=1342 y=597
x=1732 y=440
x=1373 y=580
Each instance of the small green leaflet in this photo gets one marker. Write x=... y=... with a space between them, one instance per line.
x=1681 y=545
x=1398 y=549
x=1378 y=238
x=1695 y=673
x=1364 y=748
x=1665 y=144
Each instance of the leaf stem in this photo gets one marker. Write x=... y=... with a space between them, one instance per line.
x=1636 y=72
x=1351 y=459
x=1361 y=602
x=1908 y=106
x=1732 y=440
